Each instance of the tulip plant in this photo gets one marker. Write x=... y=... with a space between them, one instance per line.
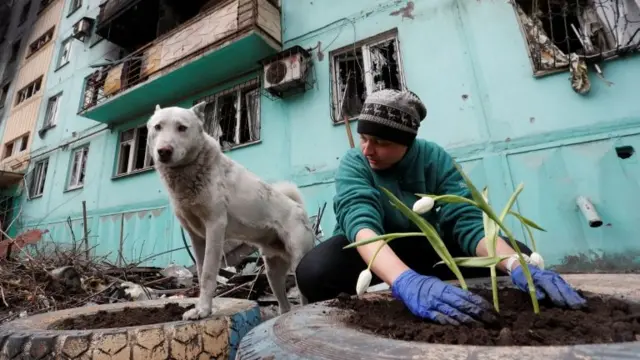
x=492 y=223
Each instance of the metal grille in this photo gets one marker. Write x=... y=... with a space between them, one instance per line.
x=232 y=116
x=562 y=32
x=362 y=68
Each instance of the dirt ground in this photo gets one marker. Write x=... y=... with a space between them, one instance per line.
x=603 y=321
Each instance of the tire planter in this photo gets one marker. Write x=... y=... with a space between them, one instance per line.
x=215 y=337
x=312 y=332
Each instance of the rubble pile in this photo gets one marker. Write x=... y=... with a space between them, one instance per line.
x=48 y=277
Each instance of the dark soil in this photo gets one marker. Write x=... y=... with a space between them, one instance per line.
x=129 y=316
x=604 y=320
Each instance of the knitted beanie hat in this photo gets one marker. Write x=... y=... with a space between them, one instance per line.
x=392 y=115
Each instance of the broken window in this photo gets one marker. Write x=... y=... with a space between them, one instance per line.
x=78 y=166
x=15 y=49
x=38 y=175
x=132 y=151
x=94 y=88
x=361 y=69
x=16 y=146
x=51 y=115
x=560 y=32
x=65 y=52
x=233 y=116
x=40 y=42
x=75 y=5
x=29 y=91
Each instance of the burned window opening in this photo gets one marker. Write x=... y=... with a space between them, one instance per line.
x=559 y=32
x=233 y=116
x=351 y=77
x=362 y=69
x=153 y=19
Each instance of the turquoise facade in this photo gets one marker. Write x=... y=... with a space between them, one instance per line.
x=467 y=60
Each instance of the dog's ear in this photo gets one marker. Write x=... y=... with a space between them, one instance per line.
x=198 y=109
x=157 y=108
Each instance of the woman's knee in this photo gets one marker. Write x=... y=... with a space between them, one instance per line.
x=309 y=270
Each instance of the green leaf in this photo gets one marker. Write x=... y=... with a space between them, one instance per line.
x=511 y=201
x=386 y=237
x=490 y=227
x=527 y=222
x=456 y=199
x=475 y=194
x=430 y=232
x=426 y=228
x=477 y=261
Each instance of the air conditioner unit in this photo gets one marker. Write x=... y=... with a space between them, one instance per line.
x=82 y=29
x=287 y=71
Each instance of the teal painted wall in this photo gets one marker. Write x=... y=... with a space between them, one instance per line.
x=466 y=59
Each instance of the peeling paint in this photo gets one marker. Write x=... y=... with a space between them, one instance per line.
x=142 y=213
x=406 y=12
x=128 y=215
x=157 y=212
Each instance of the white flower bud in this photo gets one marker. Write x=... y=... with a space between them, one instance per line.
x=363 y=281
x=423 y=205
x=537 y=260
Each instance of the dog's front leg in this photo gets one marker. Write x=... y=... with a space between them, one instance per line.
x=214 y=242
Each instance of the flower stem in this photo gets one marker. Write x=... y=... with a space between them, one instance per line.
x=494 y=288
x=523 y=264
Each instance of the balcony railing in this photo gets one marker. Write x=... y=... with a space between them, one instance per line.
x=195 y=55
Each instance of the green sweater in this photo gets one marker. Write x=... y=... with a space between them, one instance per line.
x=426 y=168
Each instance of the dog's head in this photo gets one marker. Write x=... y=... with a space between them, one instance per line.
x=175 y=134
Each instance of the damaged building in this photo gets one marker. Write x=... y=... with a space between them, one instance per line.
x=533 y=91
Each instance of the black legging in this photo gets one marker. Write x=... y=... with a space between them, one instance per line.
x=328 y=269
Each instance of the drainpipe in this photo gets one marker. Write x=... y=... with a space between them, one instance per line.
x=589 y=212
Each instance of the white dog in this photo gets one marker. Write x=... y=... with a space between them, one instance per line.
x=216 y=198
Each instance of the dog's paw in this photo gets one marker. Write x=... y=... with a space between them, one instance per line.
x=196 y=313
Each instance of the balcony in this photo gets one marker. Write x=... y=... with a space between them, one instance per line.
x=221 y=42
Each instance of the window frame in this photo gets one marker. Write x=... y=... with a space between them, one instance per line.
x=239 y=89
x=45 y=38
x=37 y=81
x=74 y=5
x=133 y=142
x=40 y=169
x=23 y=143
x=63 y=47
x=54 y=119
x=83 y=152
x=362 y=45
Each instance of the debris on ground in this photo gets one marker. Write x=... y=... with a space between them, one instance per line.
x=38 y=275
x=47 y=276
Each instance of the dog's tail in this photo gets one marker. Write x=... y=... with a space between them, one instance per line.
x=290 y=190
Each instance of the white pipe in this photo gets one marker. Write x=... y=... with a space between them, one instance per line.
x=589 y=211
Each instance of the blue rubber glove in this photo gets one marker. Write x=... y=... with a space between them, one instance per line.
x=548 y=283
x=431 y=298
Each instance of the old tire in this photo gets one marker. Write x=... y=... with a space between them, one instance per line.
x=215 y=337
x=313 y=332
